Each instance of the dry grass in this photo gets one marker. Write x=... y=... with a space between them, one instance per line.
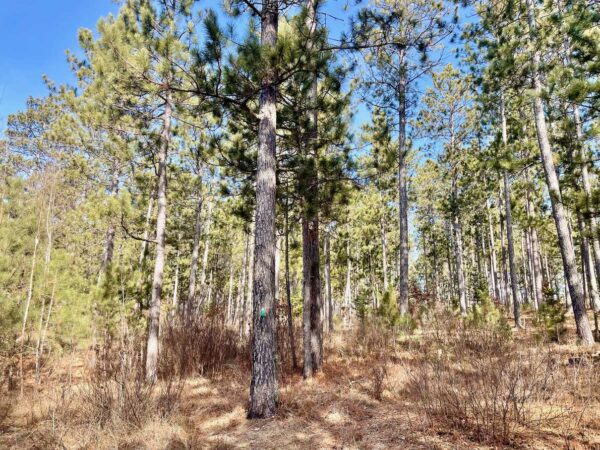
x=362 y=399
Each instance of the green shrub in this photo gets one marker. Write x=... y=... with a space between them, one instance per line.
x=485 y=314
x=550 y=318
x=390 y=316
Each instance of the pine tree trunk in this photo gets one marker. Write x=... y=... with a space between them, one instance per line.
x=313 y=303
x=206 y=244
x=142 y=259
x=328 y=282
x=458 y=251
x=159 y=261
x=263 y=387
x=288 y=293
x=534 y=251
x=228 y=317
x=241 y=303
x=348 y=286
x=26 y=310
x=191 y=300
x=384 y=251
x=248 y=317
x=560 y=218
x=586 y=255
x=511 y=252
x=493 y=259
x=402 y=190
x=175 y=298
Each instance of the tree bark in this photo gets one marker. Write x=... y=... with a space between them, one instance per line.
x=288 y=293
x=313 y=302
x=328 y=282
x=206 y=243
x=493 y=259
x=566 y=248
x=509 y=229
x=159 y=261
x=191 y=300
x=263 y=386
x=402 y=190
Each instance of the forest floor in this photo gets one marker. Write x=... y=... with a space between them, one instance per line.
x=357 y=401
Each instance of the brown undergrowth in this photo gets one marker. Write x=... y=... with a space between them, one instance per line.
x=455 y=387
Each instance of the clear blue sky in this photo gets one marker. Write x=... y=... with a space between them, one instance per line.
x=34 y=35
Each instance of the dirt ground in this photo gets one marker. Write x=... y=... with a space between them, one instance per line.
x=338 y=409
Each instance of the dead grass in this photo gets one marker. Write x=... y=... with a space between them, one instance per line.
x=360 y=400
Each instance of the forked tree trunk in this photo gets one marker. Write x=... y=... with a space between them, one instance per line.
x=159 y=262
x=573 y=276
x=263 y=387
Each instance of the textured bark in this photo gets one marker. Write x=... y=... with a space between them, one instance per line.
x=288 y=294
x=402 y=191
x=509 y=230
x=312 y=317
x=159 y=261
x=558 y=211
x=312 y=301
x=263 y=386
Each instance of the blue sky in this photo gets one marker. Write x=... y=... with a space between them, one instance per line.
x=34 y=35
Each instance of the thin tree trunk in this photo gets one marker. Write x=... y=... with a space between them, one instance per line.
x=328 y=282
x=242 y=304
x=493 y=259
x=175 y=299
x=288 y=293
x=159 y=262
x=26 y=310
x=313 y=302
x=263 y=387
x=534 y=251
x=191 y=300
x=47 y=257
x=402 y=189
x=228 y=317
x=348 y=286
x=206 y=244
x=573 y=276
x=458 y=251
x=509 y=230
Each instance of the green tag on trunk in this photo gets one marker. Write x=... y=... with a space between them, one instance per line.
x=263 y=313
